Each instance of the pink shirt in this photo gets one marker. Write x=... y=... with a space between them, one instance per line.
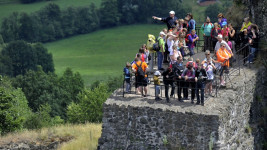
x=229 y=44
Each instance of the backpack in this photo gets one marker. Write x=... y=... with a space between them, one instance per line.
x=140 y=71
x=186 y=38
x=156 y=45
x=207 y=24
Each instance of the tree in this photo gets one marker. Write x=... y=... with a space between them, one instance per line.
x=10 y=27
x=1 y=40
x=14 y=108
x=109 y=14
x=41 y=88
x=45 y=59
x=72 y=83
x=212 y=11
x=26 y=28
x=89 y=107
x=23 y=57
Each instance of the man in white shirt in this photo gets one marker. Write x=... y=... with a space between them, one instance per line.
x=218 y=44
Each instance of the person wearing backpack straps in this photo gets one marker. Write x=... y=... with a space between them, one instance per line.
x=140 y=68
x=206 y=30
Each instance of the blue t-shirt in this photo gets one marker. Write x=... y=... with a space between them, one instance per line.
x=127 y=73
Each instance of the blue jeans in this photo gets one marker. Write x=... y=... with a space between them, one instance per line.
x=157 y=90
x=191 y=49
x=160 y=60
x=251 y=56
x=201 y=87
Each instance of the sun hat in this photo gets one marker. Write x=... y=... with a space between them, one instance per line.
x=172 y=12
x=161 y=33
x=157 y=73
x=220 y=36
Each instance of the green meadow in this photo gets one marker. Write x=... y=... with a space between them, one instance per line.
x=7 y=7
x=101 y=54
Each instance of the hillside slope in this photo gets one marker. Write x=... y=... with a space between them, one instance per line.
x=100 y=54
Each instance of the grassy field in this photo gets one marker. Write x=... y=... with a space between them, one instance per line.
x=100 y=54
x=9 y=6
x=83 y=137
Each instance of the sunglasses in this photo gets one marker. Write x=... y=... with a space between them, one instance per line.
x=207 y=54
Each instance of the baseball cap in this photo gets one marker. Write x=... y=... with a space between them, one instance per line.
x=219 y=36
x=161 y=33
x=157 y=73
x=172 y=12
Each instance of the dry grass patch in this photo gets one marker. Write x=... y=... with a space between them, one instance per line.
x=72 y=137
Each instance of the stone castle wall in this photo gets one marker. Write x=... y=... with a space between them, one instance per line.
x=222 y=124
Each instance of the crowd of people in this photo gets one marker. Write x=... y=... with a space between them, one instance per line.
x=171 y=47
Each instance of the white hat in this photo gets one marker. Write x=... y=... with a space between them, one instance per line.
x=161 y=33
x=157 y=73
x=219 y=36
x=172 y=12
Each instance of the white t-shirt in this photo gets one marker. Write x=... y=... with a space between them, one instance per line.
x=170 y=44
x=218 y=45
x=209 y=70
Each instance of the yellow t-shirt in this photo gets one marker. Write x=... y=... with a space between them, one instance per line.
x=156 y=80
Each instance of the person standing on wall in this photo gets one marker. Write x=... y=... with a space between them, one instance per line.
x=206 y=30
x=191 y=23
x=140 y=68
x=170 y=21
x=161 y=51
x=192 y=38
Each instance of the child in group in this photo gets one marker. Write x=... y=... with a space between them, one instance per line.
x=127 y=77
x=225 y=32
x=197 y=64
x=209 y=67
x=176 y=53
x=146 y=53
x=157 y=85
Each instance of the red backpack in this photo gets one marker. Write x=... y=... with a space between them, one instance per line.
x=186 y=38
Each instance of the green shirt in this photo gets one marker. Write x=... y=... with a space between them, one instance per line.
x=161 y=44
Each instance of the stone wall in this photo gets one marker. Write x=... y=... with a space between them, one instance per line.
x=127 y=127
x=223 y=123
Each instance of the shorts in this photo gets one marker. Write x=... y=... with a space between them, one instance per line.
x=141 y=81
x=209 y=81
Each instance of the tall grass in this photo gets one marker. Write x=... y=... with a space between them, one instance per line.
x=84 y=136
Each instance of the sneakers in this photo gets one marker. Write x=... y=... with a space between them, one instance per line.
x=192 y=102
x=171 y=96
x=186 y=98
x=168 y=100
x=198 y=103
x=180 y=100
x=158 y=99
x=202 y=104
